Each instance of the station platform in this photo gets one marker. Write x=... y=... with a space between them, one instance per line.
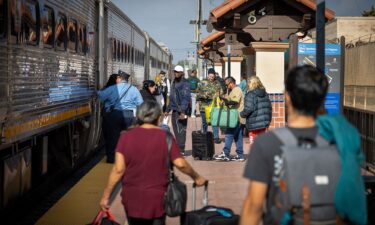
x=227 y=188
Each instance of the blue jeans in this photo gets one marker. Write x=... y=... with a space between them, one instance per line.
x=193 y=103
x=236 y=134
x=205 y=126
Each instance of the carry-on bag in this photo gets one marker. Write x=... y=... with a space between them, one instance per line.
x=208 y=215
x=100 y=219
x=203 y=145
x=224 y=117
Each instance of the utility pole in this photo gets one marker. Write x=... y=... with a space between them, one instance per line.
x=197 y=37
x=198 y=60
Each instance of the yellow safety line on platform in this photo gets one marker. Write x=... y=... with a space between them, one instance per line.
x=80 y=205
x=44 y=120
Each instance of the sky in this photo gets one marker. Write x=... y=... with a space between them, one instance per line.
x=167 y=21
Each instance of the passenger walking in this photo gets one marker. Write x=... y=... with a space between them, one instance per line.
x=159 y=90
x=305 y=91
x=194 y=81
x=148 y=90
x=234 y=100
x=257 y=109
x=141 y=167
x=179 y=103
x=165 y=88
x=121 y=100
x=208 y=90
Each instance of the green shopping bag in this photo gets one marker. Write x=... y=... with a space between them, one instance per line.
x=224 y=117
x=208 y=109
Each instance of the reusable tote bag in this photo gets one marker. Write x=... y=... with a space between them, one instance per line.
x=208 y=109
x=224 y=117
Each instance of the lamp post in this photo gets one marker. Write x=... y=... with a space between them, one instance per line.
x=320 y=35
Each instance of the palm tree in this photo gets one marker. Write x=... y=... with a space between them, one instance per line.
x=371 y=12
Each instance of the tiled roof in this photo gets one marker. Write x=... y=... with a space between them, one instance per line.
x=230 y=5
x=213 y=37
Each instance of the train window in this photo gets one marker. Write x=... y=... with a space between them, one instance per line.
x=30 y=22
x=3 y=18
x=119 y=51
x=72 y=34
x=123 y=52
x=61 y=32
x=82 y=37
x=132 y=54
x=114 y=51
x=127 y=53
x=48 y=27
x=15 y=20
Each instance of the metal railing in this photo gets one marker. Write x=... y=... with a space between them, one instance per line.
x=364 y=121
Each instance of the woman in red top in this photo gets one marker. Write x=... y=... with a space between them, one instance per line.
x=140 y=161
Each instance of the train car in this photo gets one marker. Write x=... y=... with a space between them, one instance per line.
x=126 y=45
x=52 y=60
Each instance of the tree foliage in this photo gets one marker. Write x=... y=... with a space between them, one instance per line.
x=370 y=12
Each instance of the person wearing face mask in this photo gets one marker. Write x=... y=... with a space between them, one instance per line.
x=178 y=105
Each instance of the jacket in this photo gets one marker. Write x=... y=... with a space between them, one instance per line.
x=180 y=97
x=350 y=198
x=257 y=109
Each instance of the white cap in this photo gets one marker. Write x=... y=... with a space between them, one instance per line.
x=178 y=68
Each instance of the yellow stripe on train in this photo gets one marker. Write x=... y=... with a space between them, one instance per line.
x=43 y=121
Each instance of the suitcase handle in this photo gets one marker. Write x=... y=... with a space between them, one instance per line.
x=205 y=199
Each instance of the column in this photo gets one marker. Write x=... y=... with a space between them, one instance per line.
x=235 y=65
x=270 y=68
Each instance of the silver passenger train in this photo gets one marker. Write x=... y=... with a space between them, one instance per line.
x=54 y=55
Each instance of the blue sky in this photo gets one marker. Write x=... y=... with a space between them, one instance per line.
x=167 y=21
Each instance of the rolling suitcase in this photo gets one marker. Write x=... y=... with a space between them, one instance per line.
x=203 y=145
x=208 y=215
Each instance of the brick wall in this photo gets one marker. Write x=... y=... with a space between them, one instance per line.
x=278 y=110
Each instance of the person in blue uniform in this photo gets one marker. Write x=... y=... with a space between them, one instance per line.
x=121 y=101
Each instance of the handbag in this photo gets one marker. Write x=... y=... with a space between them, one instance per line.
x=175 y=197
x=224 y=117
x=101 y=220
x=208 y=109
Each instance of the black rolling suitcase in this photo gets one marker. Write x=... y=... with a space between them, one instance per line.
x=209 y=215
x=203 y=145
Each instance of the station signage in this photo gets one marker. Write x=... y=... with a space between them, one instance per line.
x=307 y=55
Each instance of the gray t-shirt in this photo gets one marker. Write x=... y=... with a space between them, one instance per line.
x=265 y=160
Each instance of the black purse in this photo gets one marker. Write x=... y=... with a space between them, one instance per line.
x=176 y=195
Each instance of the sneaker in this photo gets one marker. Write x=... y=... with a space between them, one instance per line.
x=222 y=157
x=193 y=116
x=238 y=158
x=217 y=140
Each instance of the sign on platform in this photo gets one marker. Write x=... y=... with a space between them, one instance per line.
x=307 y=55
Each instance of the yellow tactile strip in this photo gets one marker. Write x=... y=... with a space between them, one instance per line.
x=81 y=204
x=43 y=121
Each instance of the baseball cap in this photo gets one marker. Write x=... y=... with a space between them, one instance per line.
x=178 y=68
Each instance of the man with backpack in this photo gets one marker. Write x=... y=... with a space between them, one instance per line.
x=309 y=171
